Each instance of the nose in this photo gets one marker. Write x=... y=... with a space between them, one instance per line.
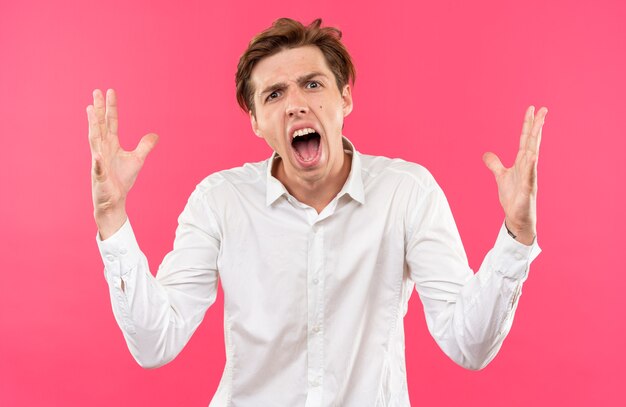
x=296 y=103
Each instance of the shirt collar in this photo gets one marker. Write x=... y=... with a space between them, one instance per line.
x=352 y=187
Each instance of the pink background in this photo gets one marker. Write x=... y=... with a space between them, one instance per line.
x=438 y=83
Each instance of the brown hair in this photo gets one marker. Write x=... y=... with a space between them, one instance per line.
x=286 y=33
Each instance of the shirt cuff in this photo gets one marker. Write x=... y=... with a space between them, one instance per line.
x=120 y=251
x=512 y=257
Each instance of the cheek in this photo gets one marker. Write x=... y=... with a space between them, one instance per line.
x=267 y=121
x=272 y=127
x=340 y=116
x=330 y=109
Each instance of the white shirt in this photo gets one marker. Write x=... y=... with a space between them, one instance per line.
x=314 y=303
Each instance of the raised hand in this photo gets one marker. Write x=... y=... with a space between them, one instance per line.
x=517 y=186
x=113 y=170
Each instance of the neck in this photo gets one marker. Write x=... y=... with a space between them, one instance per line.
x=316 y=193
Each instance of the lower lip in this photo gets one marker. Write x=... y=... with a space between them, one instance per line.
x=311 y=163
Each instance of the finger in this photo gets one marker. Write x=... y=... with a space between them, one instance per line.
x=146 y=144
x=534 y=140
x=493 y=163
x=111 y=112
x=527 y=126
x=94 y=131
x=98 y=104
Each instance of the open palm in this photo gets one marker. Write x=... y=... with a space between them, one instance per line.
x=114 y=170
x=517 y=185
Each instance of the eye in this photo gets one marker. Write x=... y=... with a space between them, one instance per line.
x=272 y=96
x=313 y=85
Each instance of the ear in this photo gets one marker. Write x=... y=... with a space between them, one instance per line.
x=346 y=95
x=254 y=124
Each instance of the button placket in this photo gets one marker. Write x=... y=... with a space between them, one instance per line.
x=315 y=339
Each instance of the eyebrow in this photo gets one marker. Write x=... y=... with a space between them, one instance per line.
x=282 y=85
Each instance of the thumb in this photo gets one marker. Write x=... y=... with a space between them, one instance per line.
x=146 y=144
x=98 y=168
x=493 y=163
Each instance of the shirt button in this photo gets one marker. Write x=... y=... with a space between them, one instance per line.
x=315 y=281
x=315 y=383
x=123 y=250
x=110 y=258
x=316 y=329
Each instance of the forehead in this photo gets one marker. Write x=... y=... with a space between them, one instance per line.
x=288 y=65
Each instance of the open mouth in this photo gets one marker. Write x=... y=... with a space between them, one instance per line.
x=306 y=144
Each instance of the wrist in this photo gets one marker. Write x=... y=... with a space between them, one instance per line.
x=109 y=222
x=523 y=234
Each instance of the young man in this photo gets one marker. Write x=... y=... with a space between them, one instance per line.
x=318 y=248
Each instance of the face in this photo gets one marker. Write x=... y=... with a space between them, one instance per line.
x=299 y=111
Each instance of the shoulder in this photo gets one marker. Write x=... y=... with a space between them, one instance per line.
x=248 y=177
x=396 y=170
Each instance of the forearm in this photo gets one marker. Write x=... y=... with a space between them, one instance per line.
x=471 y=328
x=155 y=318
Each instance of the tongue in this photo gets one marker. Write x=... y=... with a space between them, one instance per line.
x=307 y=149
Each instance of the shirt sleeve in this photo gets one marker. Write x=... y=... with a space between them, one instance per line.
x=158 y=315
x=468 y=314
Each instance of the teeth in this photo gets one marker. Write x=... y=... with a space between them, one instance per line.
x=302 y=132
